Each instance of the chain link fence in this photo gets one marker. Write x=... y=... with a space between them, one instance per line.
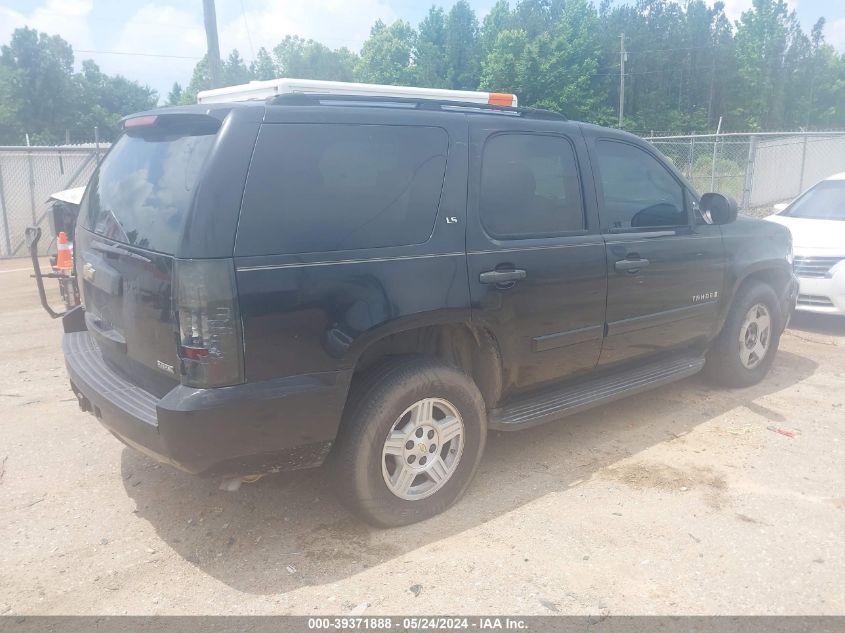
x=28 y=176
x=758 y=170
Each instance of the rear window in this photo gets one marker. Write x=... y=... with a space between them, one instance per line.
x=328 y=187
x=142 y=192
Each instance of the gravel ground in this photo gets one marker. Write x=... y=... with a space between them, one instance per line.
x=679 y=501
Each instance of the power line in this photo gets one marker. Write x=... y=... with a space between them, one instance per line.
x=667 y=50
x=248 y=35
x=646 y=72
x=87 y=50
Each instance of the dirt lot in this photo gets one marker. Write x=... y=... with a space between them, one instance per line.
x=676 y=501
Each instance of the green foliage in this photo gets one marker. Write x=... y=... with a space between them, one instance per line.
x=41 y=95
x=770 y=46
x=430 y=56
x=200 y=80
x=386 y=55
x=504 y=66
x=307 y=59
x=103 y=100
x=175 y=95
x=263 y=67
x=499 y=19
x=463 y=49
x=233 y=71
x=10 y=106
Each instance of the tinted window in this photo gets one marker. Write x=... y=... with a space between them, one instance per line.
x=825 y=201
x=530 y=186
x=144 y=189
x=337 y=187
x=638 y=190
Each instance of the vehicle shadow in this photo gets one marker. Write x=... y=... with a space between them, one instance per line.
x=288 y=530
x=832 y=325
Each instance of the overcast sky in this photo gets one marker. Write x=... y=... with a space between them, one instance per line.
x=174 y=29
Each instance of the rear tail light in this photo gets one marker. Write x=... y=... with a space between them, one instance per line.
x=140 y=121
x=210 y=337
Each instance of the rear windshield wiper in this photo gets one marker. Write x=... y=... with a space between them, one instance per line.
x=116 y=250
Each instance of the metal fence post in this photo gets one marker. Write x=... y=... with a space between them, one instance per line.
x=713 y=166
x=803 y=164
x=691 y=157
x=31 y=185
x=4 y=211
x=749 y=172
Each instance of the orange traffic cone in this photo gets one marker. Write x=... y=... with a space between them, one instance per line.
x=64 y=256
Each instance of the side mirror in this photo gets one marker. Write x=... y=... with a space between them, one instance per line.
x=717 y=208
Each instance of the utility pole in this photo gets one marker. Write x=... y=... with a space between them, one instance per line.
x=210 y=16
x=712 y=86
x=623 y=57
x=715 y=153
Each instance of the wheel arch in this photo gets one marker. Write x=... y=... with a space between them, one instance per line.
x=471 y=348
x=777 y=274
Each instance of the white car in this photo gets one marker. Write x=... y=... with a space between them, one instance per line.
x=816 y=220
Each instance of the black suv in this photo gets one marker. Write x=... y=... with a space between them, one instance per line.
x=375 y=283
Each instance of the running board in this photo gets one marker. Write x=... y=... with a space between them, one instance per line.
x=557 y=402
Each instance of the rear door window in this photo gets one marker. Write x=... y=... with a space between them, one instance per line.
x=530 y=186
x=143 y=191
x=329 y=187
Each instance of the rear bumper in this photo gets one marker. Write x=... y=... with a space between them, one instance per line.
x=269 y=426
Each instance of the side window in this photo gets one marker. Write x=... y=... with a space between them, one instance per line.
x=530 y=186
x=326 y=187
x=638 y=191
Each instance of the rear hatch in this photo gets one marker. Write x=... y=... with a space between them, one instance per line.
x=131 y=222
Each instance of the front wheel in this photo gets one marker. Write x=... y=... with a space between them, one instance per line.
x=745 y=349
x=410 y=441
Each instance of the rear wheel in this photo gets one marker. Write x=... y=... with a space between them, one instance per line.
x=411 y=439
x=745 y=349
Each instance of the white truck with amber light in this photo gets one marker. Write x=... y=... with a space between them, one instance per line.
x=256 y=90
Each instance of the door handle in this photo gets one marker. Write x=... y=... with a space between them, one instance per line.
x=631 y=265
x=502 y=276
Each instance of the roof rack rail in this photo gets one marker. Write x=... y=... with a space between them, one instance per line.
x=311 y=98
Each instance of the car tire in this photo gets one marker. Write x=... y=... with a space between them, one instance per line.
x=410 y=441
x=745 y=349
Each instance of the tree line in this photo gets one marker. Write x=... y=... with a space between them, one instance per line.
x=686 y=66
